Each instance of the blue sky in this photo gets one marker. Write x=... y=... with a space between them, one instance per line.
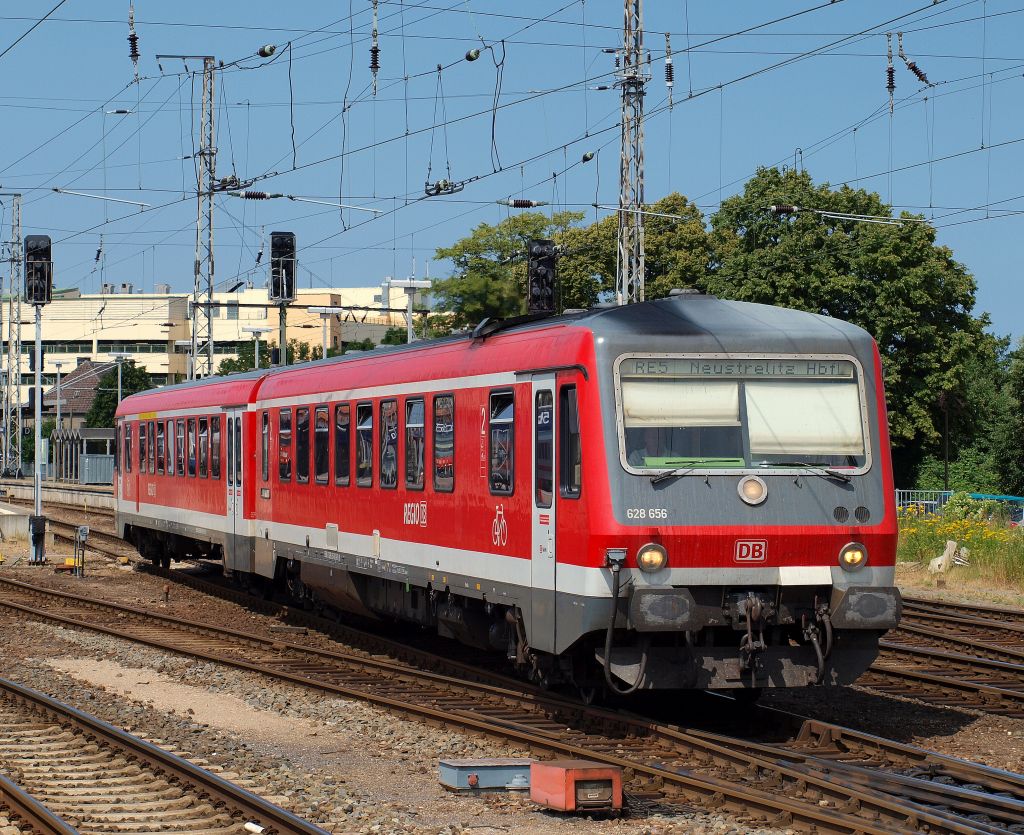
x=954 y=148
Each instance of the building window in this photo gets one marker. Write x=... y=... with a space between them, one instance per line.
x=364 y=444
x=321 y=445
x=302 y=445
x=571 y=450
x=544 y=448
x=159 y=448
x=215 y=447
x=342 y=444
x=192 y=447
x=180 y=447
x=389 y=443
x=444 y=443
x=284 y=445
x=414 y=441
x=265 y=446
x=204 y=447
x=501 y=450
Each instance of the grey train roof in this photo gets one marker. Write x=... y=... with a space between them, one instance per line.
x=703 y=323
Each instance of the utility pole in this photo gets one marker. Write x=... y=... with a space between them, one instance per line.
x=12 y=381
x=201 y=353
x=632 y=75
x=410 y=285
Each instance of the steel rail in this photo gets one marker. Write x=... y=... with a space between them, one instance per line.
x=272 y=818
x=25 y=809
x=658 y=761
x=987 y=610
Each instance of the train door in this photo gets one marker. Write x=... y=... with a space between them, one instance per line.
x=543 y=562
x=235 y=555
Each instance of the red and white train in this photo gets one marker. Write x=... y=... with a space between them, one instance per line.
x=685 y=493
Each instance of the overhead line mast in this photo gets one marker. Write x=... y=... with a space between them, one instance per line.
x=632 y=76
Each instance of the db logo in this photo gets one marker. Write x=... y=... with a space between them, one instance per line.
x=751 y=550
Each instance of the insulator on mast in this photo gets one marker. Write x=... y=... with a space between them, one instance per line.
x=911 y=65
x=890 y=73
x=670 y=71
x=133 y=40
x=374 y=50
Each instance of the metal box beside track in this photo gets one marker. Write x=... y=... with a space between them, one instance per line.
x=488 y=774
x=576 y=785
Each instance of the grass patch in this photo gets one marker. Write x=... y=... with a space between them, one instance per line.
x=996 y=549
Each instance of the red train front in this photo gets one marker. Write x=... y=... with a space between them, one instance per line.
x=718 y=469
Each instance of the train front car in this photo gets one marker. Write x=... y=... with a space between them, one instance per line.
x=753 y=525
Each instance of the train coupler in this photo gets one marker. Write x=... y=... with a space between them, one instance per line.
x=755 y=611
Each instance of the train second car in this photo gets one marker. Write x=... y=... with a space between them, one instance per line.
x=688 y=493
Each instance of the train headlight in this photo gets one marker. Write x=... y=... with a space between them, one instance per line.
x=853 y=556
x=752 y=489
x=652 y=557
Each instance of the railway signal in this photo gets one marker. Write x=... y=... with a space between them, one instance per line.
x=282 y=267
x=38 y=269
x=541 y=272
x=38 y=288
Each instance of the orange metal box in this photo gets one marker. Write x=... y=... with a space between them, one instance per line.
x=575 y=785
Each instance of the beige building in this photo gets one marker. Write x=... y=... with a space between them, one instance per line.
x=153 y=329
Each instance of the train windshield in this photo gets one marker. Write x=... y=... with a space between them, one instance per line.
x=740 y=413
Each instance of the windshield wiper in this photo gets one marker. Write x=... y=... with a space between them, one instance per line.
x=680 y=471
x=822 y=470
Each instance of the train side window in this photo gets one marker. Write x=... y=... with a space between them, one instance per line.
x=215 y=447
x=159 y=448
x=230 y=454
x=342 y=443
x=128 y=447
x=321 y=445
x=265 y=446
x=117 y=450
x=204 y=447
x=444 y=443
x=302 y=445
x=169 y=435
x=238 y=449
x=192 y=447
x=543 y=448
x=389 y=443
x=152 y=448
x=501 y=452
x=364 y=444
x=284 y=445
x=142 y=446
x=414 y=441
x=180 y=447
x=570 y=456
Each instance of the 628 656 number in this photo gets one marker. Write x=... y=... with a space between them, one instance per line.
x=646 y=513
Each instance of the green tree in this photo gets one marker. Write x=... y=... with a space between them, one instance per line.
x=133 y=379
x=489 y=267
x=394 y=336
x=892 y=280
x=28 y=444
x=1009 y=433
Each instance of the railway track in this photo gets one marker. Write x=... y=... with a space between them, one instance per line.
x=828 y=780
x=20 y=809
x=87 y=776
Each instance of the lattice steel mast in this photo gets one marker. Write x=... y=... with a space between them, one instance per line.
x=632 y=76
x=12 y=381
x=201 y=364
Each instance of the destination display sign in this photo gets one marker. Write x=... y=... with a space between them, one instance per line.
x=694 y=367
